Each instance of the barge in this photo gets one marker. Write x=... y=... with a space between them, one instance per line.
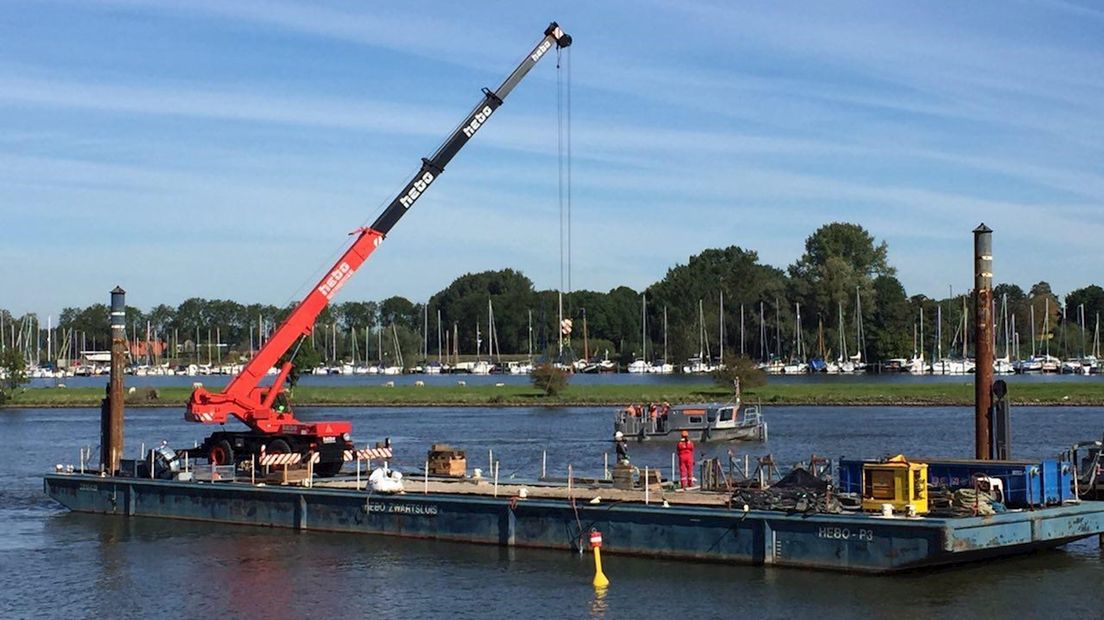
x=687 y=526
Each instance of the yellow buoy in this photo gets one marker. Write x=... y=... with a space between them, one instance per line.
x=600 y=580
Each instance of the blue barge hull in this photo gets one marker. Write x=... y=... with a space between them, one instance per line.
x=853 y=543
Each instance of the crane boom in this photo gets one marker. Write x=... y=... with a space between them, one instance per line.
x=244 y=398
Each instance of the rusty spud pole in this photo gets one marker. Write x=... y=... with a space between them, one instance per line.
x=983 y=337
x=111 y=412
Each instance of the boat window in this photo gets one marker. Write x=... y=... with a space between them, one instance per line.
x=726 y=414
x=695 y=419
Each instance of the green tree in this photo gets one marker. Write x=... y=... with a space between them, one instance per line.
x=549 y=379
x=465 y=300
x=740 y=369
x=840 y=259
x=1047 y=310
x=1090 y=301
x=889 y=331
x=306 y=359
x=737 y=274
x=14 y=370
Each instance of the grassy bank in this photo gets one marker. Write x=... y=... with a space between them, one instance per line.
x=1086 y=393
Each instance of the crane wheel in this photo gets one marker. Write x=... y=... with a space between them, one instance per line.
x=222 y=453
x=328 y=469
x=277 y=446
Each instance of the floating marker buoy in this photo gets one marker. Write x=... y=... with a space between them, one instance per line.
x=600 y=580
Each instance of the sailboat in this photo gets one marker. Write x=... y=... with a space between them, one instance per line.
x=916 y=365
x=1003 y=365
x=1050 y=364
x=434 y=367
x=797 y=365
x=664 y=367
x=641 y=365
x=700 y=364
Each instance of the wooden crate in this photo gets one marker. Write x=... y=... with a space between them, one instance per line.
x=445 y=461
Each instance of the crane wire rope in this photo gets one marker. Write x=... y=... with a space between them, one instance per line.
x=564 y=193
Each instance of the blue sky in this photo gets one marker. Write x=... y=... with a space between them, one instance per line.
x=224 y=149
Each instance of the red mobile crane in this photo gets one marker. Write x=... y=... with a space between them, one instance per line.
x=264 y=409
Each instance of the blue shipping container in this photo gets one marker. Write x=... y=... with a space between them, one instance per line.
x=1026 y=484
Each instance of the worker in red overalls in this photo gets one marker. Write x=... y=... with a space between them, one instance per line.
x=686 y=460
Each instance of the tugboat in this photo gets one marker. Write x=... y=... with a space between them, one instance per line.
x=732 y=421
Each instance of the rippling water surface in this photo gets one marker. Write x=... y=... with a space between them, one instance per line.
x=58 y=564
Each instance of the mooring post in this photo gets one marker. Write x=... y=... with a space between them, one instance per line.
x=983 y=339
x=111 y=409
x=544 y=464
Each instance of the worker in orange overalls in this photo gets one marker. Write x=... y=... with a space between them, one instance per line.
x=686 y=460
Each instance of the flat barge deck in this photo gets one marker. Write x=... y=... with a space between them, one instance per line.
x=693 y=526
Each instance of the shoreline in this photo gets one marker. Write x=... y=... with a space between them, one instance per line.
x=1089 y=394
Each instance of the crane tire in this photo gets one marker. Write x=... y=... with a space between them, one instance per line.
x=277 y=446
x=328 y=469
x=222 y=453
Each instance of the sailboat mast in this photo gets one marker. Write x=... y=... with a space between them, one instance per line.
x=1046 y=324
x=763 y=331
x=1096 y=337
x=438 y=336
x=922 y=334
x=720 y=349
x=777 y=329
x=939 y=332
x=644 y=327
x=743 y=352
x=586 y=338
x=965 y=331
x=1080 y=310
x=797 y=332
x=701 y=332
x=1032 y=330
x=665 y=333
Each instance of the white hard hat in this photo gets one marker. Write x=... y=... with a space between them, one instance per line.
x=618 y=435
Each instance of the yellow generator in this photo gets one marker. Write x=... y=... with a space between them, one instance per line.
x=896 y=482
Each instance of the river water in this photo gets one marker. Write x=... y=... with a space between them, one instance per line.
x=622 y=378
x=64 y=565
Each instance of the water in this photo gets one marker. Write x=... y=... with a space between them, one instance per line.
x=578 y=379
x=59 y=564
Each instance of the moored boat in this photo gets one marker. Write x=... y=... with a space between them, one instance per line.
x=704 y=422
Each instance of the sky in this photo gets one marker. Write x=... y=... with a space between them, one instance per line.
x=226 y=149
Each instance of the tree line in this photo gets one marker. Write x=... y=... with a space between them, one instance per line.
x=842 y=288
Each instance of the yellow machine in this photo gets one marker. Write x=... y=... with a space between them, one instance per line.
x=896 y=482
